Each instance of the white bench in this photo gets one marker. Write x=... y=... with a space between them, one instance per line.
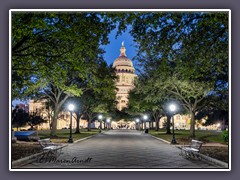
x=192 y=150
x=49 y=148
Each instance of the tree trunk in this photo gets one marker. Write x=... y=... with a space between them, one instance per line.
x=192 y=125
x=157 y=124
x=78 y=122
x=89 y=125
x=89 y=122
x=54 y=123
x=223 y=124
x=57 y=105
x=145 y=124
x=168 y=131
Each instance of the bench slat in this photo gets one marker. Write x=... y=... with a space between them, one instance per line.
x=192 y=149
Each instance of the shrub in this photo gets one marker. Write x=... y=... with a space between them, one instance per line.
x=225 y=136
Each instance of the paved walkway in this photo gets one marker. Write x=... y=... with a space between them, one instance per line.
x=121 y=149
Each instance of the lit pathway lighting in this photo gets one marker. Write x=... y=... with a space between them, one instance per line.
x=108 y=122
x=100 y=118
x=70 y=108
x=145 y=117
x=138 y=124
x=173 y=108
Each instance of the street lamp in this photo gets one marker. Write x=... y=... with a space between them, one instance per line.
x=172 y=108
x=70 y=108
x=138 y=125
x=145 y=117
x=108 y=122
x=100 y=118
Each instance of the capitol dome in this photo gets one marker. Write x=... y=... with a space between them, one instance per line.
x=125 y=78
x=122 y=61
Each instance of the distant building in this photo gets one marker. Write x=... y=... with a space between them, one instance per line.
x=126 y=74
x=46 y=113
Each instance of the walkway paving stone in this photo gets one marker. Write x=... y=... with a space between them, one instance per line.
x=122 y=149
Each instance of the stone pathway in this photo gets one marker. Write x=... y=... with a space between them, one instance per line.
x=121 y=149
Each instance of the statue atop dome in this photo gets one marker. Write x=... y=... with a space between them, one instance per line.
x=123 y=50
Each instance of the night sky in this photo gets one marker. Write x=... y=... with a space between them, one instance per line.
x=113 y=48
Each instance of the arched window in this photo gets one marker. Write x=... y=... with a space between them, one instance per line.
x=123 y=78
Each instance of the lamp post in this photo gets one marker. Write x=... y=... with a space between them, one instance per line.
x=172 y=108
x=108 y=122
x=71 y=108
x=145 y=117
x=100 y=118
x=138 y=125
x=218 y=126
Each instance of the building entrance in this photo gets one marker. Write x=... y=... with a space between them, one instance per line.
x=122 y=124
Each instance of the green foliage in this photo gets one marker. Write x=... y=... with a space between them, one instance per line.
x=35 y=119
x=225 y=135
x=19 y=117
x=184 y=56
x=182 y=136
x=100 y=96
x=54 y=47
x=55 y=55
x=63 y=135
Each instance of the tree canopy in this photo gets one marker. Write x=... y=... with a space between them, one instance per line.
x=183 y=54
x=56 y=54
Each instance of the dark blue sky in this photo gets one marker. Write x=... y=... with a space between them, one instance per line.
x=113 y=48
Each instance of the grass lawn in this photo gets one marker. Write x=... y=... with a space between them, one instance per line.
x=182 y=136
x=23 y=149
x=63 y=135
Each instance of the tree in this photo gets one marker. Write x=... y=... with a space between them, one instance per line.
x=143 y=100
x=186 y=53
x=52 y=51
x=94 y=103
x=192 y=96
x=40 y=40
x=216 y=112
x=19 y=117
x=99 y=96
x=22 y=118
x=35 y=119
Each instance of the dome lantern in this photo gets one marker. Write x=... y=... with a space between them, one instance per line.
x=122 y=60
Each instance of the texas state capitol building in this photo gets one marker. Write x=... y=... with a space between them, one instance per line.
x=126 y=74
